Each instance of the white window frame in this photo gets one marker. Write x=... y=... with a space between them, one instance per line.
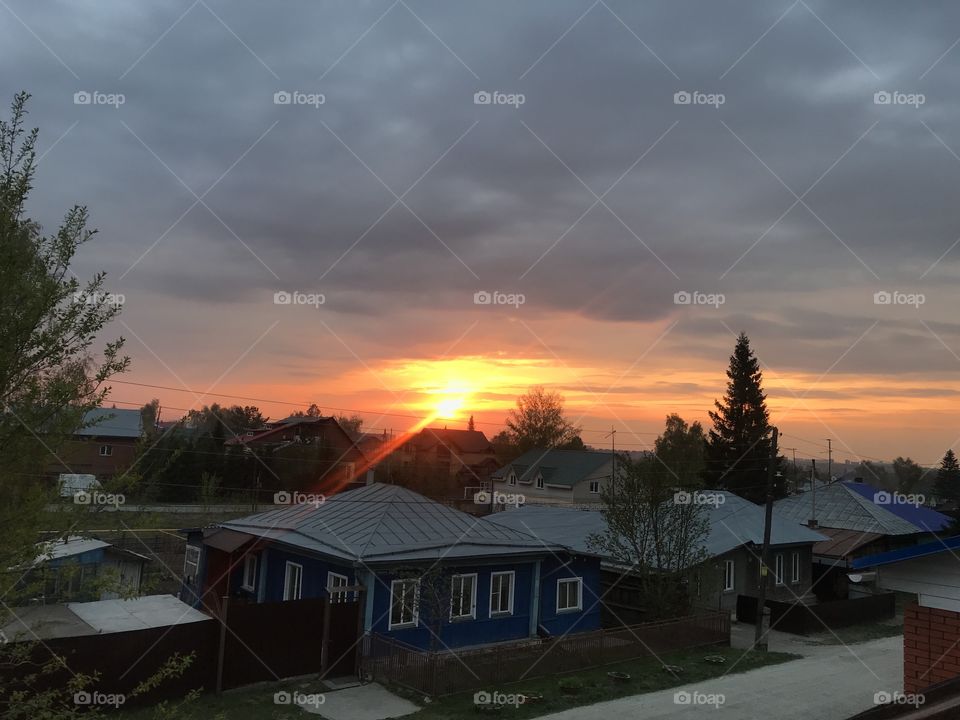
x=795 y=567
x=337 y=596
x=512 y=478
x=595 y=487
x=778 y=569
x=106 y=450
x=249 y=575
x=513 y=579
x=729 y=576
x=286 y=580
x=472 y=615
x=539 y=482
x=415 y=622
x=567 y=581
x=194 y=563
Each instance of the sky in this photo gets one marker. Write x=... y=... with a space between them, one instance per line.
x=419 y=208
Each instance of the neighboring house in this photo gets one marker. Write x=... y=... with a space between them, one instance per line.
x=80 y=569
x=858 y=520
x=733 y=546
x=465 y=456
x=503 y=584
x=104 y=447
x=562 y=477
x=931 y=626
x=308 y=454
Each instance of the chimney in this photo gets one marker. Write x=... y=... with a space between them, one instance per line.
x=812 y=523
x=858 y=480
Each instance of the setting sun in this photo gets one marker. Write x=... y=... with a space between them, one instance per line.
x=448 y=406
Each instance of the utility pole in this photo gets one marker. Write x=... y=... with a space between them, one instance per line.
x=613 y=455
x=760 y=640
x=829 y=460
x=813 y=486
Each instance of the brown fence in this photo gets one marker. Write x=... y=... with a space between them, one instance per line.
x=442 y=673
x=801 y=619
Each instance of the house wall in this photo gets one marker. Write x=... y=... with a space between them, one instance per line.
x=935 y=578
x=747 y=577
x=931 y=647
x=271 y=574
x=82 y=456
x=553 y=569
x=578 y=494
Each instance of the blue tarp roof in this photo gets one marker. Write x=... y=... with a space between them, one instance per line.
x=914 y=551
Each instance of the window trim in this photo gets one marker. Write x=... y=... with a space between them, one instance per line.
x=338 y=596
x=473 y=597
x=729 y=578
x=513 y=580
x=249 y=560
x=779 y=566
x=565 y=581
x=391 y=625
x=539 y=482
x=594 y=483
x=286 y=575
x=108 y=449
x=794 y=567
x=195 y=563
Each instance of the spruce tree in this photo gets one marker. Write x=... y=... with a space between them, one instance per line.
x=947 y=485
x=738 y=446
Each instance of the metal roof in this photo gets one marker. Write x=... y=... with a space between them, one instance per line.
x=387 y=523
x=733 y=523
x=562 y=467
x=111 y=422
x=843 y=542
x=851 y=506
x=914 y=551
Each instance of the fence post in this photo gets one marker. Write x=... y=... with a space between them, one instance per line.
x=223 y=641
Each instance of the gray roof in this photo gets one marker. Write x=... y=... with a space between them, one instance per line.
x=558 y=467
x=848 y=507
x=733 y=523
x=111 y=422
x=387 y=524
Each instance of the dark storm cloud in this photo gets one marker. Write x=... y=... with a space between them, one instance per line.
x=287 y=201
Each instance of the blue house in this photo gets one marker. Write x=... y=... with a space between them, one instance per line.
x=424 y=574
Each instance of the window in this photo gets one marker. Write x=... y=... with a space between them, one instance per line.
x=512 y=478
x=463 y=596
x=539 y=482
x=249 y=572
x=501 y=593
x=292 y=581
x=335 y=580
x=569 y=594
x=595 y=487
x=106 y=450
x=795 y=567
x=778 y=570
x=728 y=575
x=404 y=603
x=191 y=563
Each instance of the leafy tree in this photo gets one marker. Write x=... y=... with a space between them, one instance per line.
x=313 y=411
x=680 y=449
x=352 y=425
x=470 y=424
x=539 y=422
x=908 y=474
x=947 y=485
x=875 y=474
x=648 y=530
x=738 y=449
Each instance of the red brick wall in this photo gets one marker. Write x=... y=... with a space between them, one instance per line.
x=931 y=647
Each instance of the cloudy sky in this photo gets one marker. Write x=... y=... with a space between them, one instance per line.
x=778 y=164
